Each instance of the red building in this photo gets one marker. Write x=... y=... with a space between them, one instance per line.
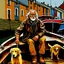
x=55 y=13
x=62 y=6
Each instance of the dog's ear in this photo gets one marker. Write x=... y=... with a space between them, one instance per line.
x=10 y=50
x=19 y=51
x=60 y=46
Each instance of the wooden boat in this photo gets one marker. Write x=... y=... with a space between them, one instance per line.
x=51 y=38
x=52 y=25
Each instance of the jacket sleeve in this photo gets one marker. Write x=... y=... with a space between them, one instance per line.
x=42 y=28
x=19 y=29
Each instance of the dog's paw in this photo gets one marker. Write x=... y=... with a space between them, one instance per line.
x=51 y=58
x=57 y=58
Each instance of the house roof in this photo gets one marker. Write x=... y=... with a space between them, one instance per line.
x=42 y=4
x=38 y=3
x=24 y=2
x=62 y=6
x=59 y=9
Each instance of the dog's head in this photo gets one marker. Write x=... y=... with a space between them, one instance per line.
x=15 y=52
x=56 y=47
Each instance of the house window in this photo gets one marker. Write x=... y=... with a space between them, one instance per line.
x=16 y=11
x=60 y=15
x=9 y=2
x=43 y=10
x=22 y=12
x=16 y=3
x=46 y=11
x=9 y=14
x=26 y=8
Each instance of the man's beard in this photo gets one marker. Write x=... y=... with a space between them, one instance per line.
x=33 y=19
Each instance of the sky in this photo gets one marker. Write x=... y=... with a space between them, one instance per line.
x=52 y=2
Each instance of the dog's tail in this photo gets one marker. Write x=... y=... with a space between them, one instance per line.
x=49 y=45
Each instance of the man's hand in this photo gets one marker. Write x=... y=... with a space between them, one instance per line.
x=17 y=41
x=40 y=34
x=35 y=38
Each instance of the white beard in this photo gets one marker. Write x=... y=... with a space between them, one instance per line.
x=33 y=19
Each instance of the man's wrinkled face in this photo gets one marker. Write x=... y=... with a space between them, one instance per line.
x=32 y=15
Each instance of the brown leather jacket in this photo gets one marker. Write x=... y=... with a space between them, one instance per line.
x=27 y=30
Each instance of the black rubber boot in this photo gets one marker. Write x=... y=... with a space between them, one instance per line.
x=41 y=59
x=34 y=59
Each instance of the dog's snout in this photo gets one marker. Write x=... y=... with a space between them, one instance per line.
x=13 y=55
x=56 y=48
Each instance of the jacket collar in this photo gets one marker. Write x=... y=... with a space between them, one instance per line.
x=28 y=21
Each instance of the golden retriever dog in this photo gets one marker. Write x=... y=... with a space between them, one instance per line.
x=54 y=50
x=16 y=57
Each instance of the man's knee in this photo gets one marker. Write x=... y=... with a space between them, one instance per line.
x=30 y=41
x=42 y=39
